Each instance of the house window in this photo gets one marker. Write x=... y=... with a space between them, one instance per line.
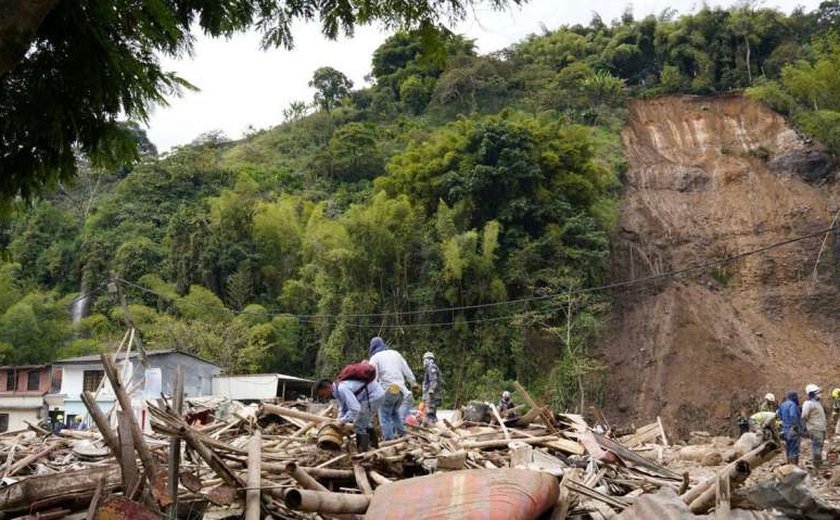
x=4 y=422
x=11 y=381
x=33 y=380
x=91 y=380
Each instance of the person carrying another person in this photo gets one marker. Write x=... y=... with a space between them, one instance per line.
x=395 y=378
x=813 y=419
x=431 y=388
x=359 y=397
x=791 y=417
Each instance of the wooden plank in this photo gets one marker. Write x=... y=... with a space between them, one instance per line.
x=128 y=465
x=252 y=495
x=175 y=442
x=102 y=424
x=547 y=420
x=722 y=498
x=362 y=480
x=499 y=418
x=662 y=431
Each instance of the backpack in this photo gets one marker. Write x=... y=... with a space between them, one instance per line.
x=364 y=372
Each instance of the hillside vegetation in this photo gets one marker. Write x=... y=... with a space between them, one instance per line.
x=458 y=205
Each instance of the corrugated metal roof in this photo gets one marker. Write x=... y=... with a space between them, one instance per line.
x=280 y=377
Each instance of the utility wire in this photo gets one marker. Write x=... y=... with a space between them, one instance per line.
x=697 y=266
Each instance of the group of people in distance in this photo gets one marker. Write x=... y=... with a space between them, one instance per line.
x=382 y=385
x=808 y=419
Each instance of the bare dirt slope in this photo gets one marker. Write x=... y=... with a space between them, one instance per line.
x=709 y=178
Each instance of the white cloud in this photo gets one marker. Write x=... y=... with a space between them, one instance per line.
x=242 y=85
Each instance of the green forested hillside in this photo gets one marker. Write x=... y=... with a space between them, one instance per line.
x=457 y=205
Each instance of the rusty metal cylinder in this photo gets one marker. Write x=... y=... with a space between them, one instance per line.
x=330 y=438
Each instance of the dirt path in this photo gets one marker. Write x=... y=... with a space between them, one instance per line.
x=709 y=178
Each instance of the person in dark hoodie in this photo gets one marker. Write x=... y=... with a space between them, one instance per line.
x=396 y=379
x=791 y=416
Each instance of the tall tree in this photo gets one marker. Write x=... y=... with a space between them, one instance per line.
x=70 y=70
x=331 y=86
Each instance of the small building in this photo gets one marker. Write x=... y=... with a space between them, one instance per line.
x=86 y=373
x=249 y=388
x=23 y=394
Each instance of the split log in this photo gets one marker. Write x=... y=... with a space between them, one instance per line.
x=378 y=478
x=282 y=411
x=544 y=415
x=702 y=496
x=252 y=495
x=140 y=445
x=303 y=478
x=128 y=462
x=22 y=463
x=175 y=442
x=362 y=480
x=502 y=443
x=326 y=502
x=108 y=435
x=722 y=500
x=499 y=418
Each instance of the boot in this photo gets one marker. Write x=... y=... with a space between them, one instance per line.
x=374 y=438
x=362 y=442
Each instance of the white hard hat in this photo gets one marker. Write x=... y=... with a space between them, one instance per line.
x=812 y=389
x=769 y=397
x=505 y=395
x=428 y=355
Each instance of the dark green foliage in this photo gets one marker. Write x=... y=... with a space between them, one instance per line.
x=331 y=86
x=413 y=209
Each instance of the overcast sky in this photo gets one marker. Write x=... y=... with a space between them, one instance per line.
x=242 y=85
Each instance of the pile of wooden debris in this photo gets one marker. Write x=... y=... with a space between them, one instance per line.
x=270 y=460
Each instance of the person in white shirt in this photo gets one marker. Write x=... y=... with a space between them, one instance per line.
x=396 y=379
x=813 y=418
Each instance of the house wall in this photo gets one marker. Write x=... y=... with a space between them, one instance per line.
x=198 y=374
x=246 y=387
x=23 y=380
x=20 y=408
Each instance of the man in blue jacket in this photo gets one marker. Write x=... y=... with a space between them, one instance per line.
x=357 y=402
x=791 y=416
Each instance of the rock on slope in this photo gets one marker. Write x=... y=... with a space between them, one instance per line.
x=709 y=178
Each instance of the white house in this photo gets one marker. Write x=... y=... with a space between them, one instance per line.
x=86 y=373
x=258 y=387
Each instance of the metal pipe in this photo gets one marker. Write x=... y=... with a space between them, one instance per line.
x=326 y=502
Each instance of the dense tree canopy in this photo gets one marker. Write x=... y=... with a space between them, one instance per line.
x=458 y=204
x=70 y=70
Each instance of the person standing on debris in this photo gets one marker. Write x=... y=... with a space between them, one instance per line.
x=357 y=400
x=431 y=388
x=791 y=418
x=769 y=404
x=813 y=419
x=835 y=410
x=78 y=424
x=393 y=373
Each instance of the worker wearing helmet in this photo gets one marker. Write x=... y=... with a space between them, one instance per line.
x=58 y=424
x=813 y=420
x=835 y=410
x=505 y=404
x=769 y=404
x=432 y=381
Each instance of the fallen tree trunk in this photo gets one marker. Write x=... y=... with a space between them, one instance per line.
x=69 y=487
x=701 y=498
x=326 y=502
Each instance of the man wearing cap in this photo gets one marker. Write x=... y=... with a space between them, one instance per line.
x=396 y=378
x=769 y=404
x=431 y=388
x=813 y=419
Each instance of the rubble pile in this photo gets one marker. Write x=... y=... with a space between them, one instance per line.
x=285 y=460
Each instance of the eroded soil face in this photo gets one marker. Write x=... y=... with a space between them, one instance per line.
x=709 y=178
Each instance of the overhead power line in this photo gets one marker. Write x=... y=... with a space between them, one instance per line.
x=694 y=267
